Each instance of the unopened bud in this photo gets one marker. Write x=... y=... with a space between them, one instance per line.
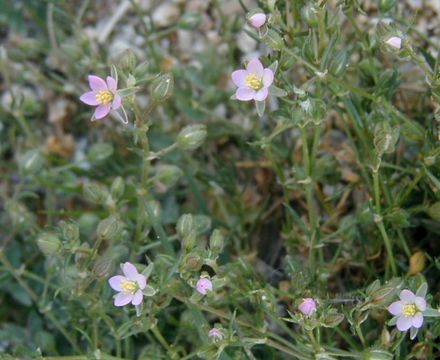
x=417 y=263
x=103 y=266
x=191 y=137
x=95 y=193
x=49 y=244
x=31 y=162
x=117 y=188
x=168 y=175
x=189 y=21
x=193 y=262
x=162 y=87
x=152 y=209
x=189 y=241
x=109 y=228
x=184 y=225
x=128 y=60
x=309 y=14
x=216 y=241
x=69 y=231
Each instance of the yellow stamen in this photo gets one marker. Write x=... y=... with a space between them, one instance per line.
x=409 y=310
x=129 y=286
x=253 y=81
x=104 y=97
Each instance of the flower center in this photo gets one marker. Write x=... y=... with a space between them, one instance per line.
x=104 y=96
x=253 y=81
x=129 y=286
x=409 y=310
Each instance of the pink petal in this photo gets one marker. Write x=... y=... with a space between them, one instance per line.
x=267 y=77
x=111 y=84
x=102 y=111
x=257 y=20
x=115 y=282
x=395 y=42
x=407 y=296
x=239 y=77
x=137 y=298
x=404 y=323
x=96 y=83
x=203 y=286
x=123 y=298
x=396 y=308
x=255 y=67
x=130 y=271
x=261 y=94
x=116 y=102
x=420 y=303
x=245 y=94
x=89 y=98
x=141 y=281
x=417 y=320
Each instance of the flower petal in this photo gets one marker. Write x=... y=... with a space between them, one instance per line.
x=267 y=77
x=116 y=102
x=141 y=281
x=102 y=111
x=407 y=296
x=239 y=77
x=130 y=271
x=245 y=94
x=417 y=320
x=404 y=323
x=257 y=20
x=115 y=282
x=89 y=98
x=96 y=83
x=255 y=67
x=123 y=298
x=137 y=298
x=420 y=303
x=261 y=94
x=111 y=84
x=396 y=308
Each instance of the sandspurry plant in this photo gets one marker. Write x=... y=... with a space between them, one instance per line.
x=301 y=226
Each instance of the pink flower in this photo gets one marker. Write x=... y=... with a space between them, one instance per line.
x=129 y=286
x=257 y=20
x=253 y=83
x=203 y=286
x=104 y=95
x=408 y=310
x=395 y=42
x=308 y=306
x=216 y=334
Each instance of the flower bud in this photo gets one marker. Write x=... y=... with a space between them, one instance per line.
x=216 y=241
x=434 y=211
x=417 y=263
x=386 y=5
x=103 y=266
x=109 y=228
x=69 y=231
x=307 y=307
x=184 y=225
x=257 y=20
x=31 y=162
x=168 y=175
x=193 y=262
x=100 y=152
x=128 y=60
x=95 y=193
x=309 y=14
x=189 y=21
x=49 y=244
x=395 y=42
x=151 y=207
x=162 y=87
x=191 y=137
x=117 y=188
x=189 y=241
x=338 y=64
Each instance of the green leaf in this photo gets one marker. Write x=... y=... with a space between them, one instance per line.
x=149 y=291
x=430 y=312
x=276 y=91
x=260 y=106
